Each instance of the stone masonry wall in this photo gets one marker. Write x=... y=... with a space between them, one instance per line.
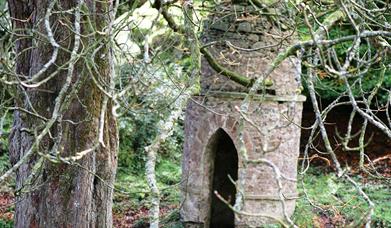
x=204 y=116
x=245 y=43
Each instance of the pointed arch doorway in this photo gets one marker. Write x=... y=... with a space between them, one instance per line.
x=224 y=163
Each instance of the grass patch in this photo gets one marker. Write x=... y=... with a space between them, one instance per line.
x=132 y=190
x=338 y=202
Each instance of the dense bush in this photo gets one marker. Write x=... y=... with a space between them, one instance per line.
x=137 y=133
x=330 y=87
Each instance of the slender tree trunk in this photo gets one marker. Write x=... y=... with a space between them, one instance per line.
x=67 y=180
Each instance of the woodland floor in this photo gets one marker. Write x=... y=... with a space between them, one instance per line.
x=138 y=216
x=130 y=212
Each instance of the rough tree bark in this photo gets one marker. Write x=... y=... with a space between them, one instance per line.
x=52 y=191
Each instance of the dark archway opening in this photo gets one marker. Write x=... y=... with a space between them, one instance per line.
x=225 y=163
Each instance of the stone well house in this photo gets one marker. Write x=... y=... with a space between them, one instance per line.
x=212 y=160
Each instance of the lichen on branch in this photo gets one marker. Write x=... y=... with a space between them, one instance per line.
x=234 y=76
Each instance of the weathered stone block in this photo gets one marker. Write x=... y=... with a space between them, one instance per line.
x=253 y=38
x=245 y=27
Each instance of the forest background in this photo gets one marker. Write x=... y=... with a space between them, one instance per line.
x=154 y=58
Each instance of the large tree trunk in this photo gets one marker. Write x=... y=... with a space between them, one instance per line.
x=53 y=191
